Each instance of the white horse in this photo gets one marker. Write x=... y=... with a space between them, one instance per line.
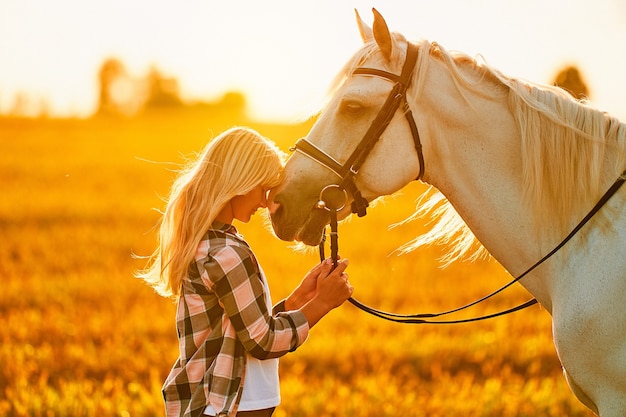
x=517 y=165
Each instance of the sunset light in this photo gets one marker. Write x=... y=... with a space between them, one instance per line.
x=104 y=104
x=283 y=54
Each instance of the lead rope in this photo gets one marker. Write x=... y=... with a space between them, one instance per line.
x=419 y=318
x=397 y=318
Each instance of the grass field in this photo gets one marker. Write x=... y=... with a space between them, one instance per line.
x=79 y=336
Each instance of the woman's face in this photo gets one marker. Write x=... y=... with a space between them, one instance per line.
x=244 y=206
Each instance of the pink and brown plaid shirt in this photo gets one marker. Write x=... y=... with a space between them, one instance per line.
x=222 y=314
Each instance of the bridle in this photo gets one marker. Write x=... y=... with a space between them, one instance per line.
x=334 y=196
x=396 y=98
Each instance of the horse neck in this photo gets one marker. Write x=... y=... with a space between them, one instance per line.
x=472 y=155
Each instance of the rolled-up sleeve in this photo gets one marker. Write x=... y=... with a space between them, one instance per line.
x=233 y=273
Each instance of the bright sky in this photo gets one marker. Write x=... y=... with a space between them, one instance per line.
x=283 y=54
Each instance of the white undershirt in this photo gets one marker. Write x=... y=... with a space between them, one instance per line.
x=261 y=388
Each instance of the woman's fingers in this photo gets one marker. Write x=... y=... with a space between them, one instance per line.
x=341 y=266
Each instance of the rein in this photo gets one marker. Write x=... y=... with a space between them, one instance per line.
x=421 y=318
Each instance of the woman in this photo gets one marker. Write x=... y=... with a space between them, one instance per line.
x=229 y=337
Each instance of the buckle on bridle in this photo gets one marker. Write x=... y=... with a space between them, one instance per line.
x=332 y=198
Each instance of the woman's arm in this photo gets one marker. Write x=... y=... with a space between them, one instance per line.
x=233 y=275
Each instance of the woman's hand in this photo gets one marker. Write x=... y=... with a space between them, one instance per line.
x=333 y=289
x=308 y=286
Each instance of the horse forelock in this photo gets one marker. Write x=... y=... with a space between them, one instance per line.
x=359 y=58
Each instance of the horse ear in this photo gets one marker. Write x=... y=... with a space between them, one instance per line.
x=366 y=31
x=382 y=35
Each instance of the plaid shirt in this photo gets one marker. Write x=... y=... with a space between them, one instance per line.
x=222 y=314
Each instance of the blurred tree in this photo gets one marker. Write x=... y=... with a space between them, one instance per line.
x=21 y=104
x=233 y=103
x=44 y=108
x=570 y=79
x=111 y=73
x=162 y=91
x=120 y=94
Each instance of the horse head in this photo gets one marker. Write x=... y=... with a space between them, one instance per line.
x=350 y=115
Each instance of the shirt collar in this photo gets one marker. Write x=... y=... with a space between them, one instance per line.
x=224 y=227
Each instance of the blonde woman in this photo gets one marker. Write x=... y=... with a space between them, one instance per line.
x=230 y=337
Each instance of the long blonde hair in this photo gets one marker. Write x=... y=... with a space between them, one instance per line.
x=232 y=164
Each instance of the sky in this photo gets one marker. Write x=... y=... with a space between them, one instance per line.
x=283 y=54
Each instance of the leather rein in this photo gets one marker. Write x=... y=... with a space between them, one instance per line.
x=333 y=197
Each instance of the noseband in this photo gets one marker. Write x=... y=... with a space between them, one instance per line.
x=396 y=98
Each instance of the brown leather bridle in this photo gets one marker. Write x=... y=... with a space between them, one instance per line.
x=395 y=100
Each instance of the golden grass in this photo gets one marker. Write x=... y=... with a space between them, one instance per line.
x=79 y=336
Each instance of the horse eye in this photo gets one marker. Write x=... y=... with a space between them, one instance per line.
x=352 y=108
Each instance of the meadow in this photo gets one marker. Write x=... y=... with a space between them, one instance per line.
x=80 y=336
